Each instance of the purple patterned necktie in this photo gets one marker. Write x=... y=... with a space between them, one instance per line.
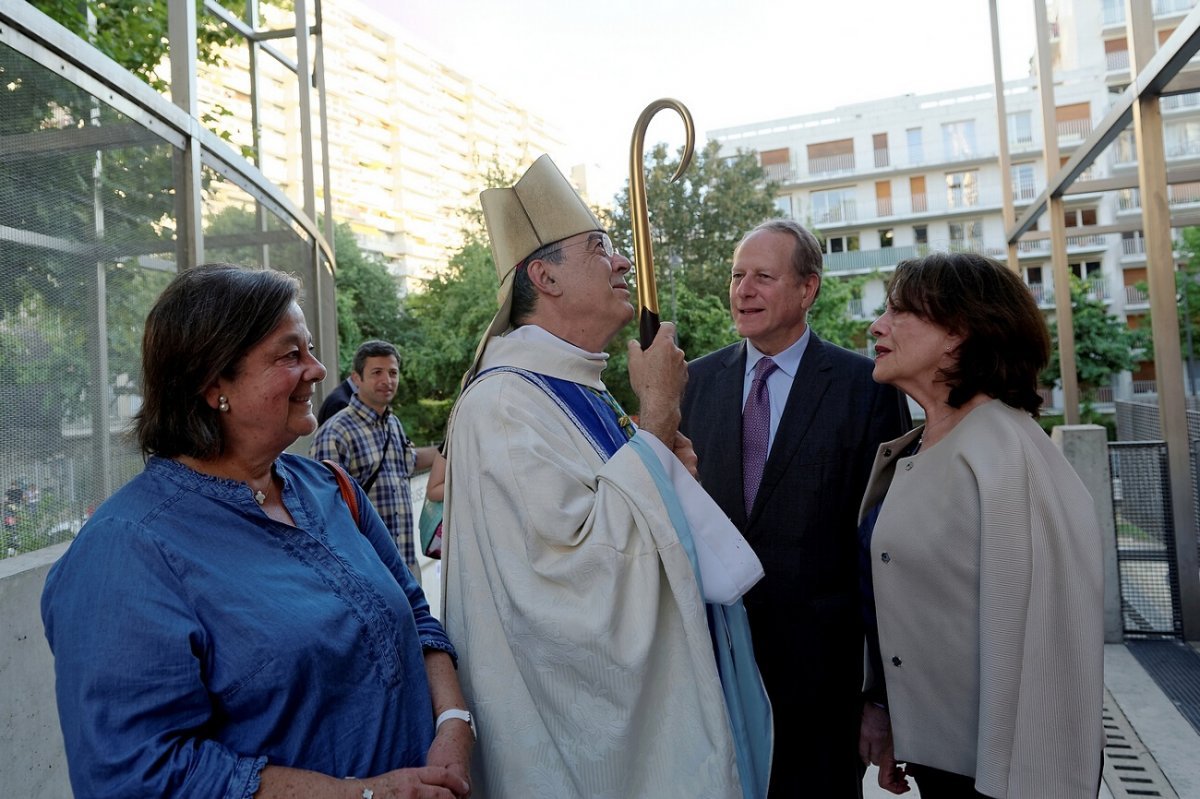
x=756 y=430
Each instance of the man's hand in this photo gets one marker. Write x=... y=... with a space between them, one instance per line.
x=875 y=748
x=682 y=447
x=658 y=376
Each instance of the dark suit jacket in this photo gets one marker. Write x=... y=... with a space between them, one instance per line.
x=805 y=614
x=338 y=398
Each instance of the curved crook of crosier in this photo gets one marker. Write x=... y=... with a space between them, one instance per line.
x=643 y=249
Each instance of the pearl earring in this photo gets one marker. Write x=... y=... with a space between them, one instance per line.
x=223 y=404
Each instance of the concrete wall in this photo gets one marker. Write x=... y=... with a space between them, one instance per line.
x=1086 y=448
x=34 y=764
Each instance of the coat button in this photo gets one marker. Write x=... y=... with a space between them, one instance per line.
x=886 y=558
x=896 y=661
x=908 y=466
x=887 y=453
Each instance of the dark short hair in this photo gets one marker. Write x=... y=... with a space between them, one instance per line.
x=524 y=300
x=1005 y=340
x=806 y=254
x=200 y=328
x=371 y=349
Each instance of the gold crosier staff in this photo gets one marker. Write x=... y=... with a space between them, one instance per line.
x=643 y=248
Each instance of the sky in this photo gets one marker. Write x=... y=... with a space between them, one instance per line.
x=590 y=68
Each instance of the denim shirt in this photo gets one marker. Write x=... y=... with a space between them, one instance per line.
x=197 y=640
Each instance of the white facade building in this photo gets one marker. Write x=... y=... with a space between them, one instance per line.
x=888 y=180
x=409 y=136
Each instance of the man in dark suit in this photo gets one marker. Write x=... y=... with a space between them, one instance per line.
x=820 y=418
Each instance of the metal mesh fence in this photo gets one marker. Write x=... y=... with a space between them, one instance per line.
x=89 y=236
x=86 y=212
x=1145 y=539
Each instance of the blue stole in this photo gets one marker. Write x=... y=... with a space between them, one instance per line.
x=601 y=421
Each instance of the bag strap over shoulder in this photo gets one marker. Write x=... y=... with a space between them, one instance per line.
x=343 y=481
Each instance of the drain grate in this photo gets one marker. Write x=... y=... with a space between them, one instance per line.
x=1175 y=667
x=1129 y=769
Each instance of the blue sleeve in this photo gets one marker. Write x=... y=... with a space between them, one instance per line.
x=429 y=629
x=129 y=666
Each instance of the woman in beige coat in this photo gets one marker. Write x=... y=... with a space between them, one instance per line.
x=985 y=554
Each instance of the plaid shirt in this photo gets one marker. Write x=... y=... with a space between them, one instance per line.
x=355 y=438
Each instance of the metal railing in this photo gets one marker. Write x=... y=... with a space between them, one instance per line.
x=1074 y=129
x=831 y=164
x=1117 y=61
x=1135 y=296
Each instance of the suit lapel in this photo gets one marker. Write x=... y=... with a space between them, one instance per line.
x=725 y=405
x=809 y=386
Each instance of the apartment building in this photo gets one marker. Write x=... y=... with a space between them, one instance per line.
x=409 y=135
x=887 y=180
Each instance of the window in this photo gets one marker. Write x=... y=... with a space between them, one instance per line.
x=921 y=234
x=783 y=206
x=1085 y=270
x=831 y=156
x=916 y=149
x=958 y=139
x=1182 y=138
x=883 y=198
x=966 y=235
x=1024 y=186
x=835 y=205
x=879 y=142
x=1074 y=121
x=916 y=189
x=962 y=189
x=1033 y=275
x=1079 y=217
x=1020 y=129
x=887 y=237
x=846 y=243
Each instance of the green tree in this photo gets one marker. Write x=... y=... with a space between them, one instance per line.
x=1104 y=345
x=830 y=315
x=701 y=217
x=368 y=298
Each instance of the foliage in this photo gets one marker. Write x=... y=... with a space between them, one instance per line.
x=830 y=315
x=368 y=298
x=1187 y=289
x=701 y=217
x=1104 y=345
x=446 y=321
x=133 y=32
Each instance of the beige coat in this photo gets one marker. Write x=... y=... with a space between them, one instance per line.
x=583 y=642
x=986 y=560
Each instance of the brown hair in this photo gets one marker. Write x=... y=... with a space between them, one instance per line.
x=199 y=329
x=1005 y=340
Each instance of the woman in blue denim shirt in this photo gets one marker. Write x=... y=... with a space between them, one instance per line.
x=222 y=627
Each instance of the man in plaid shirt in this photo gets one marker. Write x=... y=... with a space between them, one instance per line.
x=368 y=440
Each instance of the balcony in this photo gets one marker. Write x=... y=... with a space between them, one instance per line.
x=958 y=198
x=1176 y=102
x=867 y=260
x=845 y=211
x=1097 y=289
x=1117 y=61
x=881 y=159
x=1042 y=294
x=1135 y=296
x=1135 y=246
x=1073 y=130
x=831 y=165
x=780 y=173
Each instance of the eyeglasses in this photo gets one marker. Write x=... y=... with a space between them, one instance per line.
x=599 y=243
